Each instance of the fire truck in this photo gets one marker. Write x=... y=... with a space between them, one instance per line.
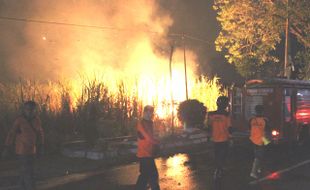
x=286 y=105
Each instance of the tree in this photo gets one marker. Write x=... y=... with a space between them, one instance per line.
x=299 y=15
x=302 y=64
x=252 y=29
x=192 y=113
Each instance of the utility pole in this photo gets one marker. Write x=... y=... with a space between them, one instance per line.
x=185 y=69
x=171 y=90
x=287 y=48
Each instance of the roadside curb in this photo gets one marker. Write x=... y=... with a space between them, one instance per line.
x=129 y=148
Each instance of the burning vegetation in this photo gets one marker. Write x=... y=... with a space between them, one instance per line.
x=95 y=112
x=92 y=65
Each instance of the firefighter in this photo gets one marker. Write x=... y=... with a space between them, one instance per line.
x=219 y=126
x=27 y=135
x=147 y=149
x=258 y=136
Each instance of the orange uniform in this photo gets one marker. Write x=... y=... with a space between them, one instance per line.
x=146 y=141
x=258 y=128
x=219 y=121
x=24 y=135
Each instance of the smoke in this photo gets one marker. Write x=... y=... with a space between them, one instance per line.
x=131 y=38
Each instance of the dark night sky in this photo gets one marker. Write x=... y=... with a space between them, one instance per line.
x=197 y=18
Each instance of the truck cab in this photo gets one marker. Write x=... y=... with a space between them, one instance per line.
x=286 y=103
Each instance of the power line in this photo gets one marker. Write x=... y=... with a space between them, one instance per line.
x=96 y=27
x=61 y=23
x=195 y=38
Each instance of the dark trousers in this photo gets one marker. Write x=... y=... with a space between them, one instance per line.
x=220 y=154
x=258 y=160
x=27 y=181
x=259 y=152
x=148 y=174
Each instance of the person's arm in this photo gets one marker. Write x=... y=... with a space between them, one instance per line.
x=230 y=130
x=267 y=135
x=146 y=135
x=267 y=128
x=209 y=124
x=209 y=127
x=229 y=125
x=40 y=132
x=12 y=134
x=10 y=139
x=40 y=136
x=249 y=124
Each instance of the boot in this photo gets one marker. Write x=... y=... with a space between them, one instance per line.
x=255 y=168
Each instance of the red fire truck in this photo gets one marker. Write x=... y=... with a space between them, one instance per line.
x=286 y=103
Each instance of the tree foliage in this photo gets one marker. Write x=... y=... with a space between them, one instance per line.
x=302 y=64
x=192 y=112
x=299 y=15
x=252 y=29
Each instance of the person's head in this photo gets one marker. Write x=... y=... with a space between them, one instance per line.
x=29 y=109
x=259 y=109
x=148 y=113
x=222 y=102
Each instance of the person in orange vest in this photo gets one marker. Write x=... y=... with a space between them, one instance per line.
x=258 y=135
x=147 y=149
x=219 y=126
x=27 y=135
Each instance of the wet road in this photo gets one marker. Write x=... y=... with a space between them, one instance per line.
x=194 y=172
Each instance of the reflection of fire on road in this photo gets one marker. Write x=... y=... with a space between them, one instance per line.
x=175 y=163
x=175 y=169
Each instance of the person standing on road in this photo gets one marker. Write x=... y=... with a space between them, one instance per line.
x=147 y=148
x=27 y=135
x=258 y=130
x=219 y=126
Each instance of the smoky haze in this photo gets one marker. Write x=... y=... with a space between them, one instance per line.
x=51 y=51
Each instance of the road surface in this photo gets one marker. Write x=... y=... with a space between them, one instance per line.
x=194 y=171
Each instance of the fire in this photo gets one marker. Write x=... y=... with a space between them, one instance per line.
x=110 y=43
x=146 y=76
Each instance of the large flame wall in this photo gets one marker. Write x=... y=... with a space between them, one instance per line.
x=108 y=40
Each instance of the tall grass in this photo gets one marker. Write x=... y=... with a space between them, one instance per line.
x=207 y=90
x=92 y=112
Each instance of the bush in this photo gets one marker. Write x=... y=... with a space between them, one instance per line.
x=192 y=113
